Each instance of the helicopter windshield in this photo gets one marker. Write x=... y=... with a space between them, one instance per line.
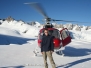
x=54 y=33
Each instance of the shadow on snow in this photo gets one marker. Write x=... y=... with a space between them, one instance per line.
x=68 y=65
x=75 y=52
x=13 y=67
x=6 y=40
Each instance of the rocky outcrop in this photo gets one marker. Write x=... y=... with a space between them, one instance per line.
x=89 y=27
x=77 y=28
x=9 y=19
x=69 y=26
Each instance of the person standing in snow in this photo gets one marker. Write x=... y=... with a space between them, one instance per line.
x=47 y=48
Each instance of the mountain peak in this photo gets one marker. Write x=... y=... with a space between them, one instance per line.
x=9 y=19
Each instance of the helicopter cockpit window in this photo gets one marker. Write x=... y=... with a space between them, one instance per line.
x=54 y=33
x=65 y=34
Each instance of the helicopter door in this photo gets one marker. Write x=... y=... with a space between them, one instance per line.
x=65 y=36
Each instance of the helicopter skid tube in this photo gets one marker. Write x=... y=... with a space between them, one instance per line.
x=37 y=51
x=59 y=51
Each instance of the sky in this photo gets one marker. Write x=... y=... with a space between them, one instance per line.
x=71 y=10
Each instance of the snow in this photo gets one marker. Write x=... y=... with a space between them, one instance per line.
x=20 y=27
x=77 y=54
x=37 y=24
x=83 y=35
x=16 y=48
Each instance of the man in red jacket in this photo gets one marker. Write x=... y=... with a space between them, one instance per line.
x=47 y=48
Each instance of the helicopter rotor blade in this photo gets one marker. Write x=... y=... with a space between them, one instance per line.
x=64 y=20
x=38 y=7
x=68 y=21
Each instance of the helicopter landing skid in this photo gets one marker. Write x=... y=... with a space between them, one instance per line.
x=37 y=52
x=59 y=51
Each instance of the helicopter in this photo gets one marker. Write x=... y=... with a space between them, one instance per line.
x=61 y=37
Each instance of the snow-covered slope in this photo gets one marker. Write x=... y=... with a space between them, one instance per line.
x=81 y=35
x=7 y=31
x=20 y=27
x=16 y=32
x=37 y=24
